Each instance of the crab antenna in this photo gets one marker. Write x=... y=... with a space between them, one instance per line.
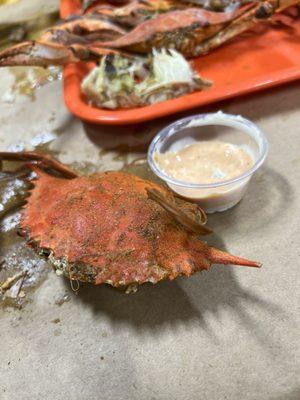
x=45 y=159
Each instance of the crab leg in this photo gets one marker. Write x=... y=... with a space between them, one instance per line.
x=263 y=11
x=65 y=43
x=44 y=159
x=82 y=30
x=183 y=30
x=36 y=53
x=182 y=217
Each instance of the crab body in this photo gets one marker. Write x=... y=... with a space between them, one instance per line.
x=115 y=228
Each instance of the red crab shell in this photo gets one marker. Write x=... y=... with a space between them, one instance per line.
x=108 y=230
x=183 y=30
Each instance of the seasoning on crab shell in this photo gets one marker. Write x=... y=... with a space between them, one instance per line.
x=114 y=227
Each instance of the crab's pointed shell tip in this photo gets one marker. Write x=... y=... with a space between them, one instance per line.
x=248 y=263
x=245 y=263
x=222 y=257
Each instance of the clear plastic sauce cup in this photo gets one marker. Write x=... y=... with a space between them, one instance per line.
x=233 y=129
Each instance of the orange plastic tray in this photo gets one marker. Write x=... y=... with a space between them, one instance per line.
x=252 y=62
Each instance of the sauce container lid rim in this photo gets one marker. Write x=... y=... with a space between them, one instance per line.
x=218 y=118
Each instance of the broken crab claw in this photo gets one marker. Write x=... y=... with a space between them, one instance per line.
x=43 y=54
x=35 y=53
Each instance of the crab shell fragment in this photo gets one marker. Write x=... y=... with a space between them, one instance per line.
x=116 y=228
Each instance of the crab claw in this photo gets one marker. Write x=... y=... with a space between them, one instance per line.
x=37 y=53
x=43 y=54
x=44 y=160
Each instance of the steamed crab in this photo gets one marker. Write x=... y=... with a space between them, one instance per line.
x=113 y=227
x=189 y=29
x=141 y=46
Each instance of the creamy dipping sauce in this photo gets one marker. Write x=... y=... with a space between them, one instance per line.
x=205 y=162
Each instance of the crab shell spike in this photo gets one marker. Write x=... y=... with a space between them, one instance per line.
x=88 y=24
x=221 y=257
